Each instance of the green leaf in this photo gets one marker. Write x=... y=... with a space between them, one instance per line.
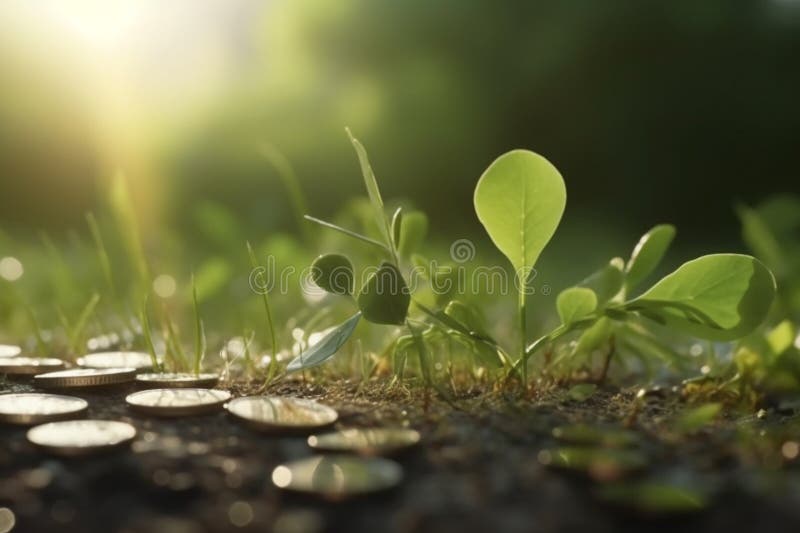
x=606 y=282
x=397 y=222
x=326 y=347
x=413 y=229
x=781 y=337
x=385 y=297
x=520 y=200
x=760 y=238
x=372 y=189
x=648 y=253
x=333 y=273
x=575 y=303
x=467 y=316
x=718 y=297
x=597 y=335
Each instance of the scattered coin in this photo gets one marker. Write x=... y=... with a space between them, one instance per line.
x=282 y=414
x=372 y=441
x=81 y=437
x=585 y=434
x=85 y=377
x=601 y=464
x=35 y=408
x=7 y=350
x=137 y=360
x=177 y=380
x=338 y=477
x=29 y=366
x=177 y=402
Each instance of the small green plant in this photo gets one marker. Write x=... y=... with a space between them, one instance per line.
x=520 y=200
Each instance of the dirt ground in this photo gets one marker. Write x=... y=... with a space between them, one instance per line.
x=479 y=468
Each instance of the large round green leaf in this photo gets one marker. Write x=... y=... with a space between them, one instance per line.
x=385 y=297
x=520 y=200
x=720 y=297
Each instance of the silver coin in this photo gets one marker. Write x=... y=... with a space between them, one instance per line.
x=338 y=477
x=81 y=437
x=137 y=360
x=35 y=408
x=8 y=350
x=371 y=441
x=85 y=377
x=282 y=414
x=178 y=402
x=177 y=380
x=29 y=366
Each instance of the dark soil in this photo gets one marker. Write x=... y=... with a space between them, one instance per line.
x=476 y=470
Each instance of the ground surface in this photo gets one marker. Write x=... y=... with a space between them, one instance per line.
x=478 y=469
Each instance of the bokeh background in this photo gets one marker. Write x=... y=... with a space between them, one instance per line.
x=654 y=112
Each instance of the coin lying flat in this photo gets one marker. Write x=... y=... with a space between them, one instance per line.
x=35 y=408
x=178 y=402
x=373 y=441
x=85 y=377
x=29 y=366
x=282 y=414
x=7 y=350
x=137 y=360
x=337 y=477
x=81 y=437
x=177 y=380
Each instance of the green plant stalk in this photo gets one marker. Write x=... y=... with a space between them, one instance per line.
x=77 y=331
x=554 y=335
x=507 y=361
x=174 y=343
x=125 y=216
x=200 y=336
x=148 y=336
x=349 y=233
x=102 y=253
x=273 y=361
x=41 y=345
x=422 y=351
x=523 y=331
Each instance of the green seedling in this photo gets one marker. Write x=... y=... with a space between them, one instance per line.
x=385 y=297
x=520 y=200
x=273 y=362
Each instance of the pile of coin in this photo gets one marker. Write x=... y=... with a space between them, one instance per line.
x=349 y=464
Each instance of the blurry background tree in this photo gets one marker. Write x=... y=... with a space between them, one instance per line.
x=667 y=111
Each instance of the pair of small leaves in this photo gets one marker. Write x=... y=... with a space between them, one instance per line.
x=384 y=298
